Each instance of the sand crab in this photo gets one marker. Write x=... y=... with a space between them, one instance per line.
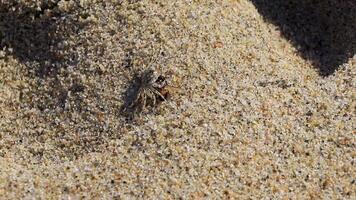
x=150 y=91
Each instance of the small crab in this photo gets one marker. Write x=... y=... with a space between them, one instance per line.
x=150 y=91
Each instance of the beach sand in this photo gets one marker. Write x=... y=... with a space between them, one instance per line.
x=249 y=115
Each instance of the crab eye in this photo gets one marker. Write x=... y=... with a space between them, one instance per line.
x=160 y=79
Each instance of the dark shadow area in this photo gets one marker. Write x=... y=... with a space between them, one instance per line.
x=37 y=37
x=129 y=96
x=40 y=39
x=324 y=31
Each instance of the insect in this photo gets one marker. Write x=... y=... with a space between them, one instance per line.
x=150 y=91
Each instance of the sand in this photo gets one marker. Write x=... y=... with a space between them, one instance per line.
x=250 y=117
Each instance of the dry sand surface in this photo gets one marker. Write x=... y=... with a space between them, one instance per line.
x=250 y=116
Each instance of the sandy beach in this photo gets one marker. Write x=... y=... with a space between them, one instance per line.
x=261 y=99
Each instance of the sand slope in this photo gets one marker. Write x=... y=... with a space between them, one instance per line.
x=249 y=116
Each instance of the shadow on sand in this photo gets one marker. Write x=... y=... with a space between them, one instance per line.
x=36 y=36
x=323 y=31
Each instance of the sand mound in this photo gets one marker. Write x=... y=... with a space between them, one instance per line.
x=248 y=115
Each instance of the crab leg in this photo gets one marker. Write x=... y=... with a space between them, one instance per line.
x=158 y=93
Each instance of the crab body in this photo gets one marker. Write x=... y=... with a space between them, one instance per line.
x=149 y=92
